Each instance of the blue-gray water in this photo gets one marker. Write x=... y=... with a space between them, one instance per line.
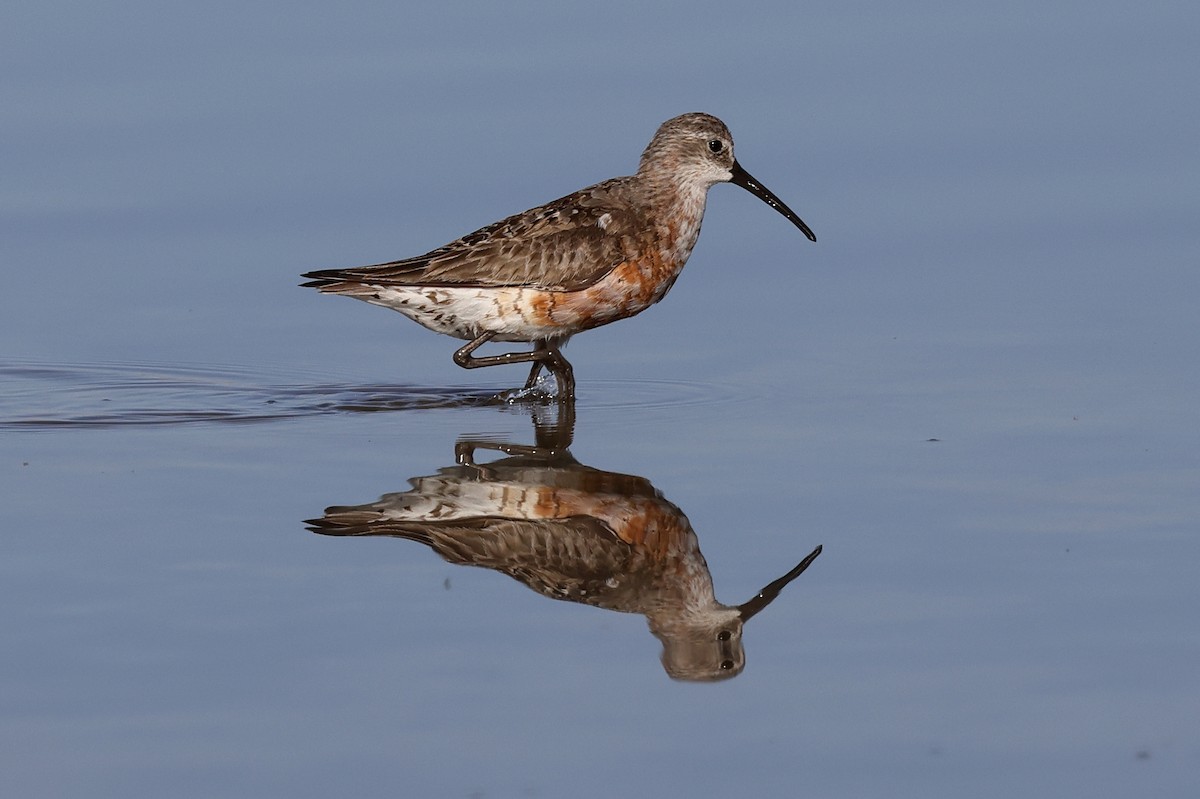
x=977 y=391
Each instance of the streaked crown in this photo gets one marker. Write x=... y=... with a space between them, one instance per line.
x=690 y=147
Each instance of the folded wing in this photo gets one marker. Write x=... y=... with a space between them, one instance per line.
x=566 y=245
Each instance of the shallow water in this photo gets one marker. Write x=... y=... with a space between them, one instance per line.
x=985 y=594
x=48 y=396
x=976 y=393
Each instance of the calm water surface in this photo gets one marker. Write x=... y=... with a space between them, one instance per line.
x=976 y=392
x=996 y=596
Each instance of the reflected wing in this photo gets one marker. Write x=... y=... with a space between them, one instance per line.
x=575 y=558
x=568 y=244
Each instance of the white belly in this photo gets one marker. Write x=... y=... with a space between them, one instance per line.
x=467 y=312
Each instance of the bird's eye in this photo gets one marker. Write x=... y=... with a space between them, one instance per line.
x=715 y=145
x=723 y=635
x=726 y=665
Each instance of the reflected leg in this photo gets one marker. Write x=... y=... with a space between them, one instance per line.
x=552 y=438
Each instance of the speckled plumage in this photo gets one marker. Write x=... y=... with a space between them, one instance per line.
x=579 y=534
x=603 y=253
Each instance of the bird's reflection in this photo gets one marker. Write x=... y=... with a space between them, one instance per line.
x=571 y=532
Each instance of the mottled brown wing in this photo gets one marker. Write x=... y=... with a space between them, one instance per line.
x=565 y=245
x=573 y=558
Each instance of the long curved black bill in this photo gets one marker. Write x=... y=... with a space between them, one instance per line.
x=768 y=594
x=744 y=179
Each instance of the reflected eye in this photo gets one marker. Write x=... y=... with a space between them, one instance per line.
x=723 y=635
x=715 y=145
x=726 y=665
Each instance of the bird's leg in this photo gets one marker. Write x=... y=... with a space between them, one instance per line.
x=563 y=372
x=551 y=357
x=533 y=375
x=462 y=356
x=543 y=355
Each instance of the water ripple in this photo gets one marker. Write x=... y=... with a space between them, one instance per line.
x=41 y=396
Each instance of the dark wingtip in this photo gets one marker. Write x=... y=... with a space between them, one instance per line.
x=320 y=278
